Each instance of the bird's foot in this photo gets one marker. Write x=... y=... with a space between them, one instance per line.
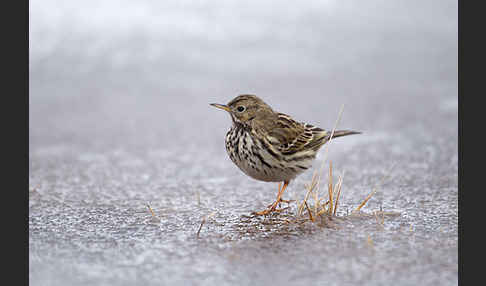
x=280 y=201
x=273 y=207
x=269 y=210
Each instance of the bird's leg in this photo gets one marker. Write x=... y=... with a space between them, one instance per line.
x=279 y=196
x=273 y=206
x=278 y=193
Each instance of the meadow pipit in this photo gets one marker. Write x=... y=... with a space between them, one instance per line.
x=271 y=146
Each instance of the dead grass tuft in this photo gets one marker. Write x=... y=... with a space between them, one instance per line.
x=322 y=206
x=318 y=208
x=326 y=208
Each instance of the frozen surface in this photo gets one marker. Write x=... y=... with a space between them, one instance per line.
x=119 y=118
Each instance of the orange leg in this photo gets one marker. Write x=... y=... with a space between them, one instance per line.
x=278 y=193
x=273 y=206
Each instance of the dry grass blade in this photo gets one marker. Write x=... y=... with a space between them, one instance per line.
x=198 y=198
x=365 y=200
x=338 y=187
x=308 y=210
x=330 y=189
x=323 y=208
x=326 y=150
x=325 y=204
x=316 y=201
x=202 y=223
x=151 y=210
x=309 y=190
x=373 y=191
x=200 y=226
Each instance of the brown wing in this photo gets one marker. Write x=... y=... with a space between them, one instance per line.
x=291 y=136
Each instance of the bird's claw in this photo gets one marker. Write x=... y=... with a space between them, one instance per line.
x=273 y=208
x=280 y=201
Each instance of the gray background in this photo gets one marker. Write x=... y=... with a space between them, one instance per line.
x=119 y=117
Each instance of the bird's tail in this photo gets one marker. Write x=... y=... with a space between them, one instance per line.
x=326 y=135
x=339 y=133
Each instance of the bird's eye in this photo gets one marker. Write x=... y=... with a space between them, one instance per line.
x=240 y=108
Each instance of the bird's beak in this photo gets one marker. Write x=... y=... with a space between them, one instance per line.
x=221 y=106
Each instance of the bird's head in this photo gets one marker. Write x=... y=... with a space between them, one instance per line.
x=245 y=108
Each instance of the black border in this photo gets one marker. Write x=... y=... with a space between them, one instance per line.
x=14 y=23
x=15 y=136
x=459 y=135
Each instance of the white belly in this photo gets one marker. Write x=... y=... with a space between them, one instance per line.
x=255 y=161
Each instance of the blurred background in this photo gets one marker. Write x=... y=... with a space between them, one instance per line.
x=119 y=116
x=137 y=70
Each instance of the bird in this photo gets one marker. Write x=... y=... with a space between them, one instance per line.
x=271 y=146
